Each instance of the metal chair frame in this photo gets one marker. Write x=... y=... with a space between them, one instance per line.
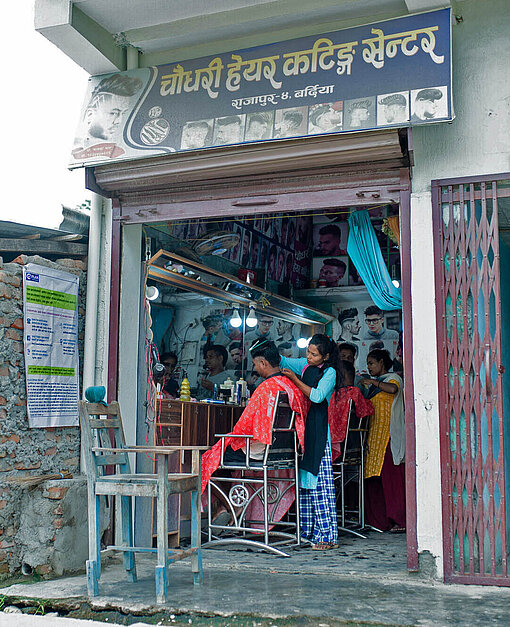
x=353 y=456
x=104 y=445
x=281 y=454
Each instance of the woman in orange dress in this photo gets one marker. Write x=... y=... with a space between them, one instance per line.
x=385 y=506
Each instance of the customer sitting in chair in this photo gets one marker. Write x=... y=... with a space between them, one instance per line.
x=338 y=413
x=256 y=419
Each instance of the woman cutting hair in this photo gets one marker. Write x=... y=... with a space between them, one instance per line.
x=319 y=376
x=384 y=467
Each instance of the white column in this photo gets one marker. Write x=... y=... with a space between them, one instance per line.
x=428 y=469
x=129 y=320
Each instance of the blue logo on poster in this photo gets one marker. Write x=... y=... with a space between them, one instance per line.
x=30 y=276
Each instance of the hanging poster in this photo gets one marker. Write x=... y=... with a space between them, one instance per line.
x=50 y=305
x=388 y=74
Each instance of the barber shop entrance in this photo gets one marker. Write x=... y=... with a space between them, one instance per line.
x=254 y=233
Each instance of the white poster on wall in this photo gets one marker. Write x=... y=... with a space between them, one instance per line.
x=50 y=305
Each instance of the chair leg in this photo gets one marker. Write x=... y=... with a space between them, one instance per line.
x=162 y=530
x=93 y=564
x=128 y=557
x=196 y=530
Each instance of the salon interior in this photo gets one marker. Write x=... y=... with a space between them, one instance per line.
x=213 y=287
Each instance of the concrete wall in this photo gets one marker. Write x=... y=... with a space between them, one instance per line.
x=475 y=143
x=25 y=451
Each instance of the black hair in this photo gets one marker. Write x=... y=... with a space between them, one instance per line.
x=234 y=345
x=347 y=314
x=376 y=344
x=230 y=119
x=381 y=354
x=335 y=262
x=348 y=372
x=331 y=229
x=268 y=351
x=373 y=310
x=348 y=346
x=219 y=350
x=326 y=345
x=168 y=355
x=294 y=116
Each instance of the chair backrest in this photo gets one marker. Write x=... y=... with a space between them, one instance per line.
x=283 y=446
x=354 y=438
x=101 y=426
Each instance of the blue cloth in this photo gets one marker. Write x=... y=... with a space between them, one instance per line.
x=318 y=506
x=326 y=385
x=324 y=390
x=365 y=252
x=96 y=394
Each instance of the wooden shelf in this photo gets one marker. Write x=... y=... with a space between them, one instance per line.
x=342 y=294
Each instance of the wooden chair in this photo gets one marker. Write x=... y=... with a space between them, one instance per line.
x=104 y=445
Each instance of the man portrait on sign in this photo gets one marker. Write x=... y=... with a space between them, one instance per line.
x=392 y=109
x=105 y=111
x=426 y=105
x=196 y=134
x=228 y=130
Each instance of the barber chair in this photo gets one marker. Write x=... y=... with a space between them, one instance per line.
x=349 y=470
x=255 y=492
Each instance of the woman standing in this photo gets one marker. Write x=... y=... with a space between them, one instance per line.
x=319 y=378
x=385 y=506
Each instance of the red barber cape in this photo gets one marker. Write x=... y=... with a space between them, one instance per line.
x=338 y=414
x=256 y=420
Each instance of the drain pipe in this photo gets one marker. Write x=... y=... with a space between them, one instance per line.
x=90 y=341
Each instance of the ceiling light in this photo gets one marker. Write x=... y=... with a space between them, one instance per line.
x=303 y=342
x=251 y=320
x=236 y=320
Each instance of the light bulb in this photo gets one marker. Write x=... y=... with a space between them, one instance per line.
x=151 y=292
x=251 y=320
x=303 y=342
x=396 y=283
x=236 y=320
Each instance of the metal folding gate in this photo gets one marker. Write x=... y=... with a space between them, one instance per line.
x=467 y=266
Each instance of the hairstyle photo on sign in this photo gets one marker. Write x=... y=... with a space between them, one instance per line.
x=235 y=251
x=359 y=113
x=104 y=116
x=304 y=229
x=393 y=108
x=228 y=130
x=430 y=103
x=330 y=239
x=271 y=262
x=263 y=246
x=197 y=134
x=332 y=270
x=259 y=126
x=280 y=265
x=254 y=251
x=245 y=249
x=325 y=118
x=290 y=122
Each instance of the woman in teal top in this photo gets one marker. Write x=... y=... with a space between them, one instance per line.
x=317 y=375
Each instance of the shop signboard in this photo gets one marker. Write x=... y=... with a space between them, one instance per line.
x=50 y=303
x=390 y=74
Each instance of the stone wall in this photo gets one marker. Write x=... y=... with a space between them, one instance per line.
x=25 y=452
